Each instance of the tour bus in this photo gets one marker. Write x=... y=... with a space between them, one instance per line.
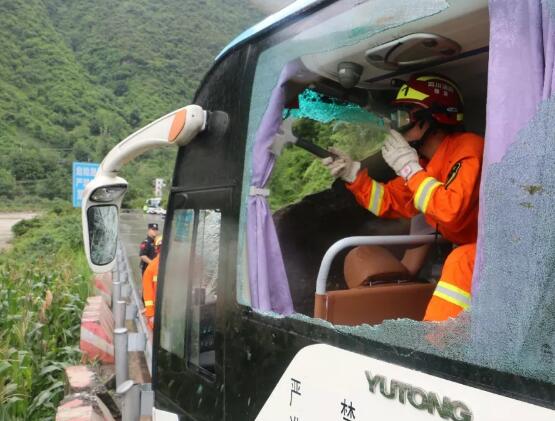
x=254 y=319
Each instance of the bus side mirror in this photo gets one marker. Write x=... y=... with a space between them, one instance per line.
x=100 y=215
x=103 y=196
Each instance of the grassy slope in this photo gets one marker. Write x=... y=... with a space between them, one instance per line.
x=271 y=6
x=151 y=56
x=46 y=100
x=44 y=284
x=77 y=77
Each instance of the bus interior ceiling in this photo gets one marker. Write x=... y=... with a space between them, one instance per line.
x=306 y=229
x=466 y=26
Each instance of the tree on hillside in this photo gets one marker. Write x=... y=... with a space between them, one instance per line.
x=77 y=77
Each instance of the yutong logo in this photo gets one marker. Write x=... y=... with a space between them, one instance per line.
x=419 y=399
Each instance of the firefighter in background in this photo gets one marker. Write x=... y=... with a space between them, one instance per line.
x=147 y=251
x=150 y=282
x=438 y=166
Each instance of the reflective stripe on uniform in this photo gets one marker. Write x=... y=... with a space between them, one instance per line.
x=149 y=303
x=155 y=278
x=376 y=198
x=424 y=193
x=453 y=294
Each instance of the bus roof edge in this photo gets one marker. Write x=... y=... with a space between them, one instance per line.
x=270 y=21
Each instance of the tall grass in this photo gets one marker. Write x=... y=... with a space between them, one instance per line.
x=43 y=288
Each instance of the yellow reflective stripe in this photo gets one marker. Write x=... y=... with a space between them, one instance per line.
x=454 y=288
x=376 y=198
x=407 y=92
x=149 y=303
x=424 y=193
x=451 y=300
x=155 y=278
x=453 y=294
x=429 y=196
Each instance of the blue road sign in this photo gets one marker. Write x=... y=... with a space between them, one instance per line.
x=83 y=172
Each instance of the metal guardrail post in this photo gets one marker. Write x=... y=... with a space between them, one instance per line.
x=119 y=313
x=131 y=311
x=116 y=292
x=142 y=339
x=125 y=290
x=120 y=351
x=131 y=403
x=147 y=399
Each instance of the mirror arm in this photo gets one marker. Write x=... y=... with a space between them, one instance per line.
x=176 y=128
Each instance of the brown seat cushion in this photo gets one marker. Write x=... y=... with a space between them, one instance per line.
x=366 y=264
x=376 y=303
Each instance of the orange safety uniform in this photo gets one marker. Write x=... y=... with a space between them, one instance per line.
x=446 y=192
x=150 y=280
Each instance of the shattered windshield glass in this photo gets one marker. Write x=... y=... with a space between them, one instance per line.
x=328 y=123
x=319 y=107
x=518 y=343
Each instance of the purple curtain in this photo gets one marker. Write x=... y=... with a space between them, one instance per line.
x=520 y=69
x=521 y=75
x=513 y=291
x=268 y=281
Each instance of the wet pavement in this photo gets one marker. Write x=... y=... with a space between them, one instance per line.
x=7 y=221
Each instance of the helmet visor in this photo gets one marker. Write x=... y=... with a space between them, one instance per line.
x=401 y=119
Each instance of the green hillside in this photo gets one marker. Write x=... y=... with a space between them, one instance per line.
x=150 y=54
x=77 y=76
x=47 y=104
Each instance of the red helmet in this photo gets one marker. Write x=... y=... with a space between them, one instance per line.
x=435 y=93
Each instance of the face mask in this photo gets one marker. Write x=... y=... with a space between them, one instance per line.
x=402 y=121
x=404 y=129
x=416 y=144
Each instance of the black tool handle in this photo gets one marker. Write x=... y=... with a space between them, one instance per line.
x=314 y=149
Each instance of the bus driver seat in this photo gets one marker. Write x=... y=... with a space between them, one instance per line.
x=380 y=287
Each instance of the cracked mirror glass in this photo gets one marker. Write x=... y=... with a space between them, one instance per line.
x=103 y=233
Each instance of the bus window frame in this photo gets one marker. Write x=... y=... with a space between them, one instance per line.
x=512 y=385
x=297 y=333
x=220 y=198
x=207 y=97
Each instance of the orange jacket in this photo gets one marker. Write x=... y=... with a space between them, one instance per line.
x=446 y=192
x=150 y=280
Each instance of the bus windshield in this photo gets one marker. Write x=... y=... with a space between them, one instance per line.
x=296 y=80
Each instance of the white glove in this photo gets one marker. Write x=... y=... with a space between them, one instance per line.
x=400 y=156
x=342 y=165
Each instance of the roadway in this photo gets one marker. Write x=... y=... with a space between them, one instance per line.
x=132 y=230
x=7 y=221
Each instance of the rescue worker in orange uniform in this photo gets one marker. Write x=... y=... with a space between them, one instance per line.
x=438 y=166
x=150 y=282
